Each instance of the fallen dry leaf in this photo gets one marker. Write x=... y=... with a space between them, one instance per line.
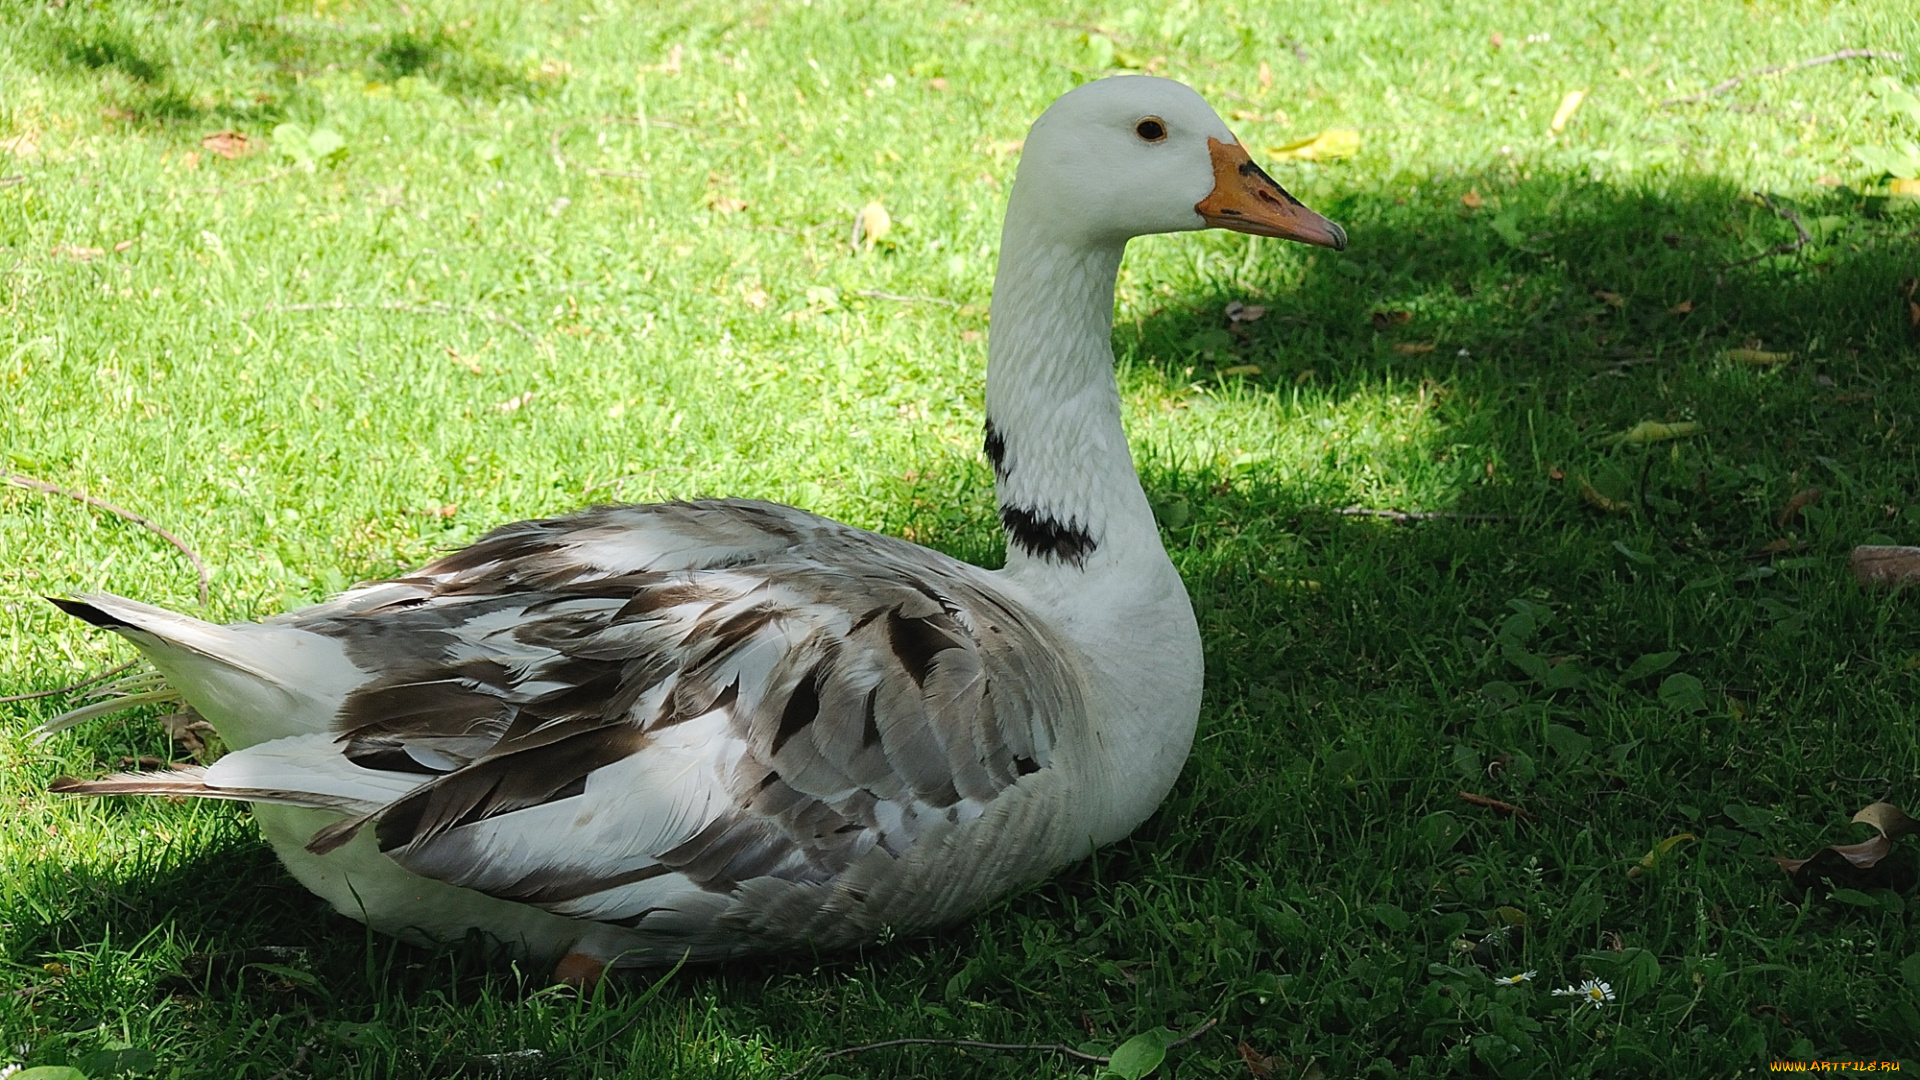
x=1892 y=823
x=1684 y=307
x=725 y=204
x=1260 y=1065
x=1384 y=319
x=1329 y=145
x=871 y=225
x=1556 y=474
x=1757 y=357
x=1472 y=200
x=1238 y=312
x=756 y=299
x=1495 y=39
x=21 y=146
x=1800 y=501
x=1883 y=564
x=937 y=83
x=124 y=245
x=228 y=144
x=1241 y=369
x=1266 y=76
x=1569 y=105
x=189 y=731
x=1413 y=348
x=1611 y=299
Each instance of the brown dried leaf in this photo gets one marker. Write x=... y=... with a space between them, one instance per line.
x=1889 y=565
x=1801 y=500
x=1892 y=823
x=1611 y=299
x=1684 y=307
x=1266 y=76
x=1495 y=40
x=1260 y=1065
x=1241 y=370
x=228 y=144
x=937 y=83
x=1472 y=200
x=1383 y=320
x=188 y=730
x=1414 y=348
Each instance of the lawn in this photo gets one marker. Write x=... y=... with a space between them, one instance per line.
x=470 y=261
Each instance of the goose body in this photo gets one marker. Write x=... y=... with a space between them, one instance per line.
x=712 y=728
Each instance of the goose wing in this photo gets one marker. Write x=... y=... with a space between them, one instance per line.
x=602 y=711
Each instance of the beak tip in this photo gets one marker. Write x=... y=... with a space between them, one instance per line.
x=1338 y=235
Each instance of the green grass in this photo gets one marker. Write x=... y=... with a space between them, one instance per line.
x=1314 y=882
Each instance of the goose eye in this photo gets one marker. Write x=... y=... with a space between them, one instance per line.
x=1151 y=129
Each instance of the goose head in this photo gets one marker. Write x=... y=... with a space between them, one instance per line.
x=1135 y=155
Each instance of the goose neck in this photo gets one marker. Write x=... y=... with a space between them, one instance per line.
x=1069 y=497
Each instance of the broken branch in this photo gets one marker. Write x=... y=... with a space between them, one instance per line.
x=1407 y=517
x=975 y=1044
x=71 y=687
x=1843 y=54
x=1787 y=248
x=431 y=308
x=30 y=484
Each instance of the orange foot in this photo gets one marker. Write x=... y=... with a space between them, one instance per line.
x=579 y=971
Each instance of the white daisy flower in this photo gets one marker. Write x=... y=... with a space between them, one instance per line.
x=1514 y=980
x=1593 y=992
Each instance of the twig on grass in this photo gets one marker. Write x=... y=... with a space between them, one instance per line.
x=873 y=294
x=71 y=687
x=30 y=484
x=1787 y=248
x=1408 y=517
x=1843 y=54
x=648 y=121
x=251 y=182
x=432 y=307
x=975 y=1044
x=1496 y=805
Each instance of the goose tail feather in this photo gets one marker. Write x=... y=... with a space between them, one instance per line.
x=254 y=682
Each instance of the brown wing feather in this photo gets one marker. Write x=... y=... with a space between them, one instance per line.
x=859 y=672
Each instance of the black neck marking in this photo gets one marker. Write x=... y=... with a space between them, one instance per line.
x=996 y=450
x=1045 y=536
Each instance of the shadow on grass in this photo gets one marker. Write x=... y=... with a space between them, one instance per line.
x=1674 y=655
x=151 y=85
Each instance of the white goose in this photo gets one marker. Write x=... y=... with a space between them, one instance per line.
x=705 y=729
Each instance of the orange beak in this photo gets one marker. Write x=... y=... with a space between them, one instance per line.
x=1245 y=199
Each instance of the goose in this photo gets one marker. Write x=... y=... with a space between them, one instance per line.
x=639 y=735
